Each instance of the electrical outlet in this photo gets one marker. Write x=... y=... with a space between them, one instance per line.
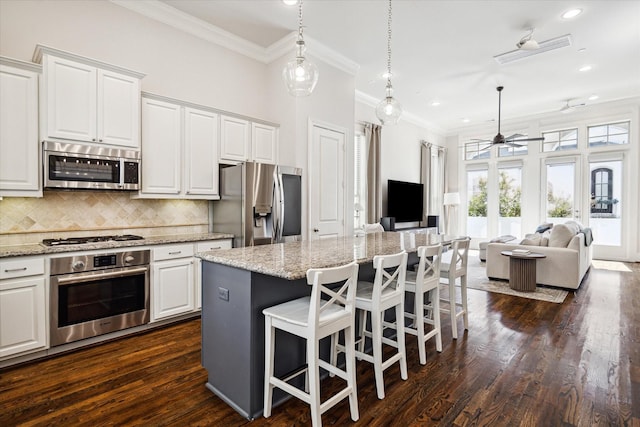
x=223 y=294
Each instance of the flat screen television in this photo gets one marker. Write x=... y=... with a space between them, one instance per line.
x=404 y=201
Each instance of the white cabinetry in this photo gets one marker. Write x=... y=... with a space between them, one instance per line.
x=235 y=137
x=242 y=140
x=205 y=247
x=23 y=313
x=19 y=148
x=89 y=101
x=179 y=150
x=264 y=143
x=172 y=281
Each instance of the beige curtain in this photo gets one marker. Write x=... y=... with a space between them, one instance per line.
x=372 y=133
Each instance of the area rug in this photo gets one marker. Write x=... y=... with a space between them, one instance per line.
x=477 y=279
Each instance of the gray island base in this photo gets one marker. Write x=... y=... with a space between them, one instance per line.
x=237 y=284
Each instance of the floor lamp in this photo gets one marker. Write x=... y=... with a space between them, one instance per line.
x=451 y=200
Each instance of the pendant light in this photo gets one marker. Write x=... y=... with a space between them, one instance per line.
x=389 y=110
x=300 y=75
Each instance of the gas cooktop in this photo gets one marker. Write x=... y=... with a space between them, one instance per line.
x=90 y=239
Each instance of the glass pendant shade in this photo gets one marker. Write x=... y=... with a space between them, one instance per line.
x=300 y=75
x=389 y=110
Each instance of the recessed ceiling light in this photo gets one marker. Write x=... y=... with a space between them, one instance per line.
x=387 y=75
x=582 y=49
x=571 y=13
x=593 y=97
x=585 y=68
x=290 y=2
x=435 y=103
x=465 y=120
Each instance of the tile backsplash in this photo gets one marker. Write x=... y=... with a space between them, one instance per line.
x=28 y=220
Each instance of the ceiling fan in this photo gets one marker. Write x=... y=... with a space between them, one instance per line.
x=512 y=140
x=568 y=108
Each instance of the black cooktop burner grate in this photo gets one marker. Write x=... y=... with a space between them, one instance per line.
x=90 y=239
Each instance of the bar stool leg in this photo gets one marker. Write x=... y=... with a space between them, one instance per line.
x=452 y=306
x=419 y=325
x=350 y=367
x=269 y=350
x=400 y=341
x=314 y=381
x=376 y=335
x=463 y=290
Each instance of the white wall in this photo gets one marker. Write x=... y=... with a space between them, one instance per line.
x=400 y=148
x=176 y=64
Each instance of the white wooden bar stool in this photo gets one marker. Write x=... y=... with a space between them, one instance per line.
x=456 y=268
x=426 y=280
x=314 y=318
x=386 y=292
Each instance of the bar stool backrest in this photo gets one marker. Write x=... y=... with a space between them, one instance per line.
x=429 y=263
x=391 y=271
x=340 y=300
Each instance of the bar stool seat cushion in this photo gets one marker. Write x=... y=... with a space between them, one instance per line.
x=297 y=312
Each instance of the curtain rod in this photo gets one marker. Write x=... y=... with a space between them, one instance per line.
x=423 y=142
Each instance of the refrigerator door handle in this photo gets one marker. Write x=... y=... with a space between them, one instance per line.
x=281 y=207
x=275 y=209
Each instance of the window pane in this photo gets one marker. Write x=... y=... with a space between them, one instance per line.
x=560 y=192
x=477 y=203
x=510 y=196
x=566 y=139
x=610 y=134
x=606 y=202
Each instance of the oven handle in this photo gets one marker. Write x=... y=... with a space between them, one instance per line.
x=93 y=277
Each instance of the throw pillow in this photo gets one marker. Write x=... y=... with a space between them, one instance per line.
x=561 y=235
x=503 y=239
x=544 y=241
x=544 y=227
x=532 y=239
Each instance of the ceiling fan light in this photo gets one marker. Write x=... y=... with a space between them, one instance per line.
x=528 y=44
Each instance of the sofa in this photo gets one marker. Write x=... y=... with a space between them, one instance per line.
x=565 y=264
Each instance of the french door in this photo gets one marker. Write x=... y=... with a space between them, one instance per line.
x=561 y=190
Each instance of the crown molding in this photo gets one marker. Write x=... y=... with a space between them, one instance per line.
x=179 y=20
x=406 y=116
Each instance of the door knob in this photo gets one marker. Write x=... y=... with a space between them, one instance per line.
x=315 y=230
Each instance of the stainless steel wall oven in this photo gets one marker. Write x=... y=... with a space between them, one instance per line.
x=95 y=294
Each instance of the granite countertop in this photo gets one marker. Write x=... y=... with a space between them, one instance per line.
x=39 y=249
x=292 y=260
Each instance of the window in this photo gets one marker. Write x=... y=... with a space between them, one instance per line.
x=601 y=190
x=477 y=203
x=510 y=197
x=360 y=182
x=560 y=140
x=509 y=151
x=609 y=134
x=477 y=150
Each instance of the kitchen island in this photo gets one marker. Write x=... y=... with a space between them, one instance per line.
x=237 y=284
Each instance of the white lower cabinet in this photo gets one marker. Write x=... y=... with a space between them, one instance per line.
x=23 y=311
x=172 y=281
x=211 y=245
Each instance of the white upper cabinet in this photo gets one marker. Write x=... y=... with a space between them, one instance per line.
x=89 y=101
x=235 y=134
x=179 y=150
x=161 y=147
x=19 y=148
x=243 y=140
x=264 y=143
x=200 y=152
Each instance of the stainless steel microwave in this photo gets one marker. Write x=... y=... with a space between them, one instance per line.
x=80 y=166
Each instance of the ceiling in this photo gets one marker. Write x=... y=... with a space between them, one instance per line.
x=443 y=50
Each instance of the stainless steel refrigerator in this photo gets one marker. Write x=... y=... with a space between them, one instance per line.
x=259 y=204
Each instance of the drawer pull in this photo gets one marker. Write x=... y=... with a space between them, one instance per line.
x=13 y=270
x=217 y=247
x=175 y=253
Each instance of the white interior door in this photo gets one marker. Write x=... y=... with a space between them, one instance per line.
x=326 y=184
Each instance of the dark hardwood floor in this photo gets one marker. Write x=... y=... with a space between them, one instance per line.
x=522 y=362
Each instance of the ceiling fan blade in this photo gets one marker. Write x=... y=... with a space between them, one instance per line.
x=514 y=136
